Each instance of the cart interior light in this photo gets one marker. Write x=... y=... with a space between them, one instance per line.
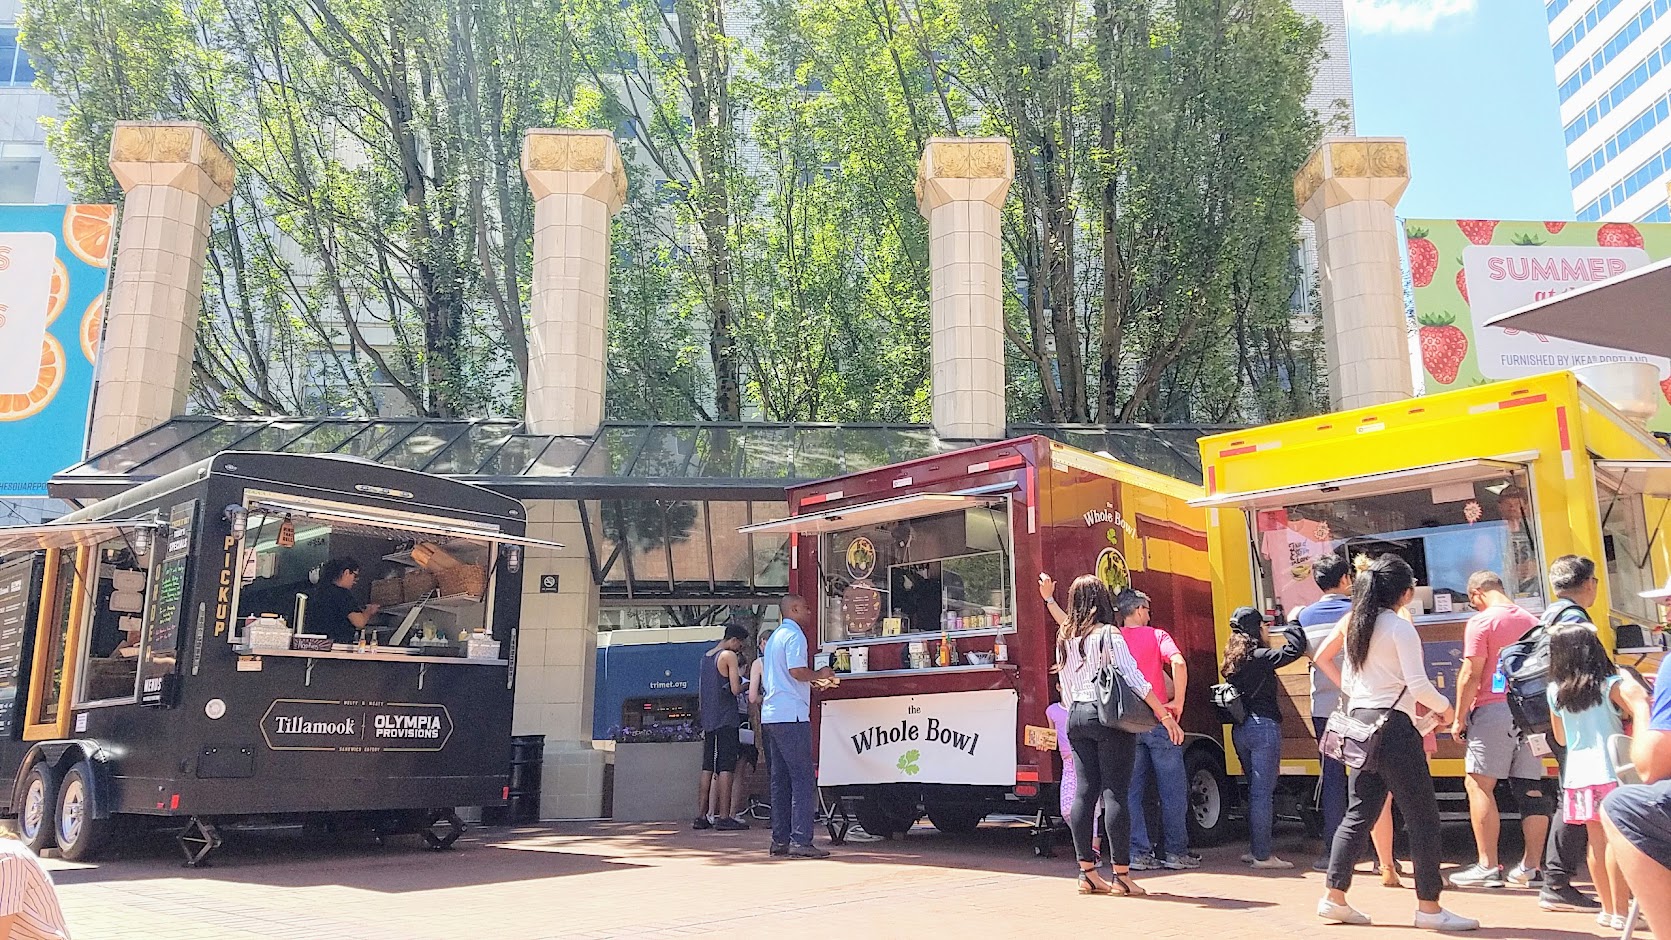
x=513 y=558
x=141 y=540
x=238 y=518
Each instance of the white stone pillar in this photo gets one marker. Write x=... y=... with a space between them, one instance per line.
x=578 y=182
x=556 y=663
x=1348 y=188
x=174 y=175
x=961 y=185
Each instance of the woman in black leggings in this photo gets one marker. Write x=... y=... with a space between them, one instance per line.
x=1386 y=674
x=1103 y=755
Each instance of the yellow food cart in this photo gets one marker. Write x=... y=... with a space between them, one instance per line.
x=1504 y=476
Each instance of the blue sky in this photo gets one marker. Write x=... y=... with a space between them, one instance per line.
x=1470 y=84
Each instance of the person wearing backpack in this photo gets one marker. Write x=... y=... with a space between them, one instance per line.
x=1526 y=666
x=1250 y=665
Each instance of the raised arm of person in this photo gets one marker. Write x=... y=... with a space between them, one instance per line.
x=1047 y=590
x=361 y=617
x=1292 y=648
x=795 y=652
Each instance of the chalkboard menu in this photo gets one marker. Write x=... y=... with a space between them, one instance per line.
x=168 y=596
x=19 y=593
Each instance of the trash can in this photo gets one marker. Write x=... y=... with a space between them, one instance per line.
x=523 y=805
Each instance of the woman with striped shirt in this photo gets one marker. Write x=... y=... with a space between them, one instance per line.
x=1084 y=645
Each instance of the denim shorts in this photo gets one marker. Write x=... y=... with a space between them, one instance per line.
x=1642 y=814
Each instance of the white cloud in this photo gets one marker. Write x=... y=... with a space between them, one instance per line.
x=1403 y=16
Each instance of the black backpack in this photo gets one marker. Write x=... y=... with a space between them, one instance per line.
x=1524 y=666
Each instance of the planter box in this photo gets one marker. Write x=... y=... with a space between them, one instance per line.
x=654 y=782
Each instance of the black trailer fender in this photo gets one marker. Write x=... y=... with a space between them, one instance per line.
x=61 y=756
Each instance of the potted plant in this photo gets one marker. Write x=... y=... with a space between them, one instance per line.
x=656 y=771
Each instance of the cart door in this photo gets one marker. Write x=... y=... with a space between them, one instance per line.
x=62 y=608
x=20 y=586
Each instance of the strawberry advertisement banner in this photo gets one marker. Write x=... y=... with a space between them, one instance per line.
x=1467 y=271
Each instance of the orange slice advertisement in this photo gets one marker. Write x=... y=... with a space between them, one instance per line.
x=53 y=366
x=92 y=324
x=60 y=294
x=87 y=233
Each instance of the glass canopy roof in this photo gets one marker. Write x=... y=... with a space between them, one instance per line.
x=679 y=459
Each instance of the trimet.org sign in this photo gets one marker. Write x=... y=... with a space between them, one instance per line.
x=951 y=737
x=316 y=725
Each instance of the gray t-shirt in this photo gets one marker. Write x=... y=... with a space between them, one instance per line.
x=1319 y=619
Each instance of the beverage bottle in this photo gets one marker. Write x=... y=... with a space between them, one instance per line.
x=945 y=657
x=1000 y=652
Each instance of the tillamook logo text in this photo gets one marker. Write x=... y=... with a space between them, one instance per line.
x=351 y=726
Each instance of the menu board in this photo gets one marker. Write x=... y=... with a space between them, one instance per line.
x=19 y=589
x=168 y=597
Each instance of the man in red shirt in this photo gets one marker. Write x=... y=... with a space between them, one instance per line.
x=1495 y=748
x=1156 y=654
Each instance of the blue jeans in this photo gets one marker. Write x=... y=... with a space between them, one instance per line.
x=794 y=784
x=1259 y=745
x=1334 y=789
x=1157 y=752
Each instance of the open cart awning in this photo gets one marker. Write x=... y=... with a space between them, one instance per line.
x=1630 y=311
x=1371 y=484
x=30 y=538
x=398 y=526
x=880 y=512
x=1636 y=477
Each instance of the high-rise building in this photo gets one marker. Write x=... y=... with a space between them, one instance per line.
x=1614 y=89
x=1331 y=89
x=28 y=173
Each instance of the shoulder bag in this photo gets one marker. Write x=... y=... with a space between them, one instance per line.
x=1353 y=742
x=1118 y=705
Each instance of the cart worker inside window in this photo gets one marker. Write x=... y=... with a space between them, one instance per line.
x=333 y=609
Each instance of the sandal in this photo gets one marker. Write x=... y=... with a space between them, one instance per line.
x=1087 y=886
x=1125 y=887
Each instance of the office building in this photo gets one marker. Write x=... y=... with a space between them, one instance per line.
x=1614 y=91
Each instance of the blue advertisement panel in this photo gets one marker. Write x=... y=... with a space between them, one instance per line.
x=54 y=264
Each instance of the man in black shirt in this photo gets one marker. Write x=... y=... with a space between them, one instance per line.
x=333 y=610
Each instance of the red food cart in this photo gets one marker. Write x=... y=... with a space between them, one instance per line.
x=923 y=580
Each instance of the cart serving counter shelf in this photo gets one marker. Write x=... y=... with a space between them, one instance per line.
x=145 y=673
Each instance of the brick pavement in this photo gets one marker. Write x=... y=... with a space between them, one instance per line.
x=648 y=881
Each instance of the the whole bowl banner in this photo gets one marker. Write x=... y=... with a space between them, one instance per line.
x=1466 y=271
x=54 y=263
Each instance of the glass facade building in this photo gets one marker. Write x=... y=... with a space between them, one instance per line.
x=1614 y=91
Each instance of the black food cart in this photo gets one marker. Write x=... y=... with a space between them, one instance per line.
x=161 y=654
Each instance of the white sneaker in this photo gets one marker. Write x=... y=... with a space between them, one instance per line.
x=1341 y=913
x=1272 y=864
x=1606 y=920
x=1445 y=921
x=1618 y=921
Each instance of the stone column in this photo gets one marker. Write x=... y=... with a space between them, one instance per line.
x=578 y=182
x=556 y=662
x=961 y=185
x=1348 y=189
x=174 y=175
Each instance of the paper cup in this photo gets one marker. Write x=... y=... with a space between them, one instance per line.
x=860 y=659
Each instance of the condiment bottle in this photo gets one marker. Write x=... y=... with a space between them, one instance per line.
x=945 y=657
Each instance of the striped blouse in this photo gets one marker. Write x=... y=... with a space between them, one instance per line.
x=27 y=895
x=1079 y=671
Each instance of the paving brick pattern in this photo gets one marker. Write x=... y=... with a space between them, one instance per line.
x=649 y=881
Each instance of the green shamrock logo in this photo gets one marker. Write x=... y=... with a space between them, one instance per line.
x=908 y=762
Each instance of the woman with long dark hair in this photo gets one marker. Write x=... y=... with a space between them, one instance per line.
x=1089 y=641
x=1250 y=664
x=1386 y=675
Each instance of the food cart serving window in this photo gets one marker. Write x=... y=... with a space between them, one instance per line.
x=1446 y=528
x=1633 y=498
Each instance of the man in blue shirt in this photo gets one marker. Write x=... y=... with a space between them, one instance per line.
x=1638 y=818
x=786 y=714
x=1333 y=574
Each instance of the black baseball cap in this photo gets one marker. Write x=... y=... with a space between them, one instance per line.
x=1248 y=620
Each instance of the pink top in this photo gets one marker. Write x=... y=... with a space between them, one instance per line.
x=1487 y=633
x=1152 y=648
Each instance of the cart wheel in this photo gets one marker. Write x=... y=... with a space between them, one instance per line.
x=443 y=829
x=955 y=818
x=1209 y=797
x=35 y=818
x=79 y=831
x=198 y=840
